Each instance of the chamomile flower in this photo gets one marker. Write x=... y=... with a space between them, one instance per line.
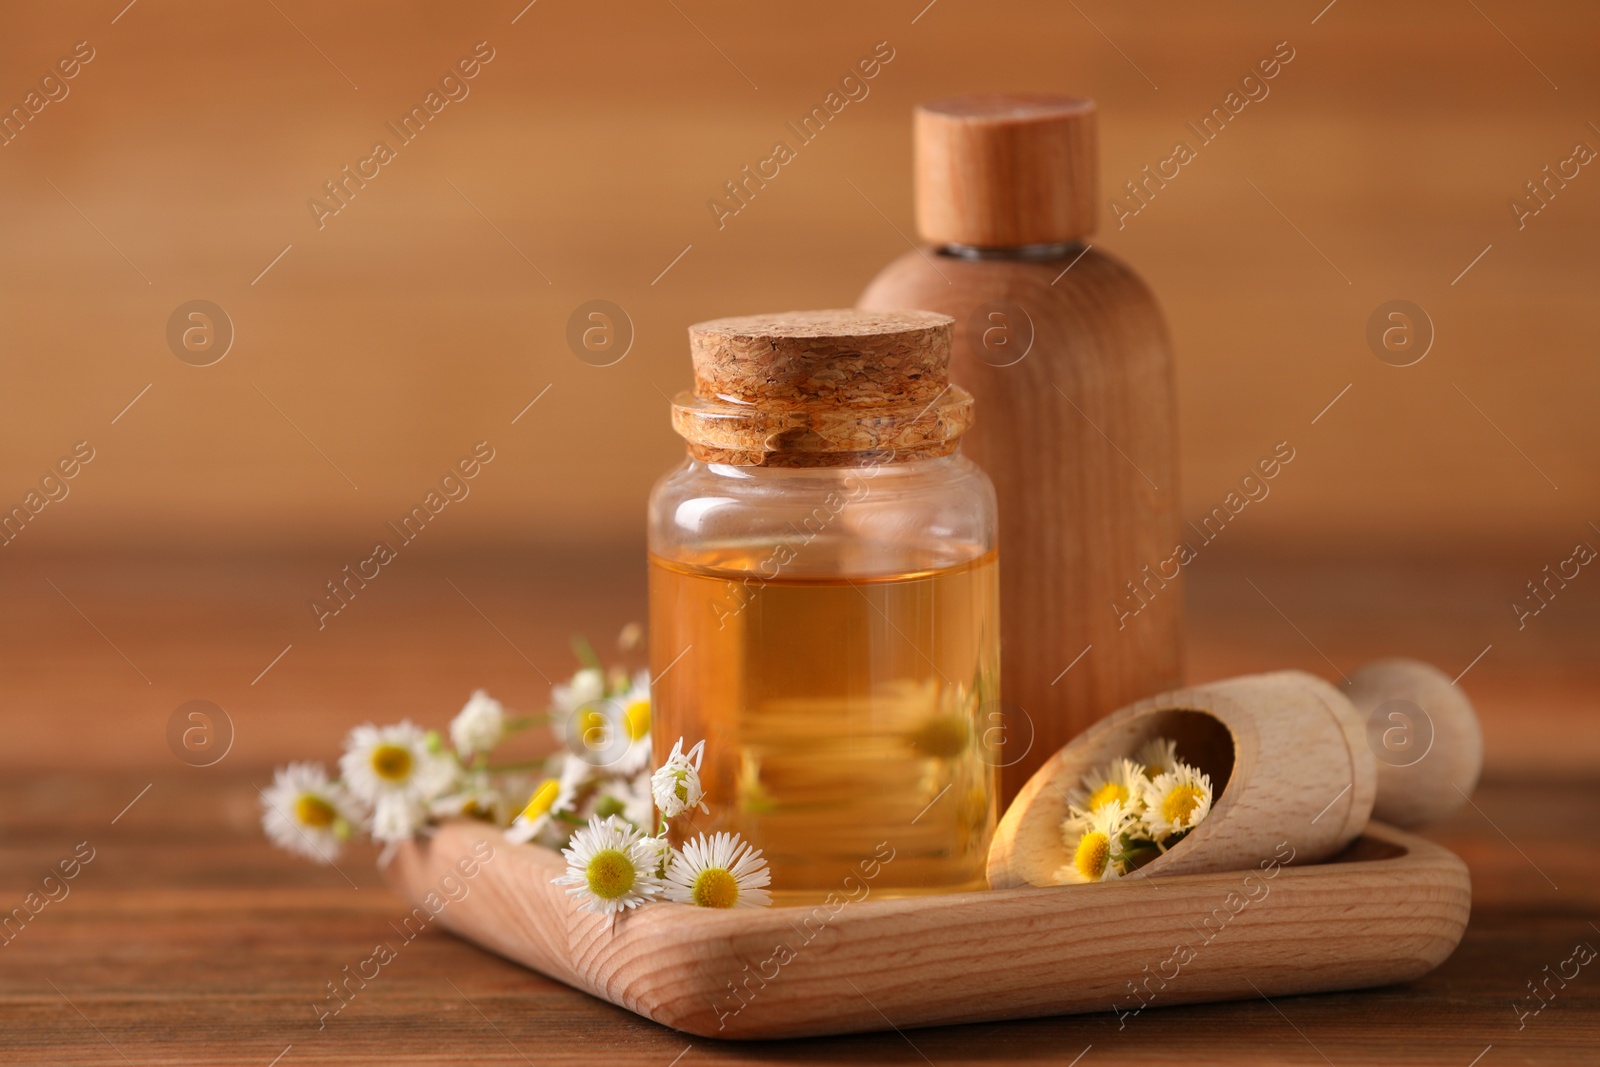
x=549 y=799
x=479 y=726
x=943 y=736
x=945 y=730
x=1097 y=848
x=1177 y=801
x=585 y=687
x=1158 y=756
x=304 y=812
x=719 y=871
x=395 y=771
x=676 y=783
x=477 y=796
x=634 y=702
x=609 y=867
x=628 y=797
x=1117 y=782
x=659 y=853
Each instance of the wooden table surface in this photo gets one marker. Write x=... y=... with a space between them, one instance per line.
x=188 y=939
x=372 y=351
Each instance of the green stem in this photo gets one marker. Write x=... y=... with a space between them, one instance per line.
x=585 y=652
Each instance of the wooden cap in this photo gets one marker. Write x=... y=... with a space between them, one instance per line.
x=822 y=388
x=1004 y=170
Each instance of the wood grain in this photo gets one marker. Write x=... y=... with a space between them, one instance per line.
x=1077 y=433
x=189 y=940
x=1290 y=758
x=1005 y=170
x=407 y=327
x=1281 y=760
x=1426 y=735
x=1392 y=910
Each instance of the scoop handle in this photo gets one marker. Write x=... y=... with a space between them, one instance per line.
x=1424 y=736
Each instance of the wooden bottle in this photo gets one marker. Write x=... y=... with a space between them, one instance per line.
x=1294 y=765
x=1065 y=351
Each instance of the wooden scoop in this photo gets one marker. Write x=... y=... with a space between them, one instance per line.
x=1297 y=768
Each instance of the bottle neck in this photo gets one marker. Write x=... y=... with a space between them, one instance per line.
x=1025 y=253
x=785 y=432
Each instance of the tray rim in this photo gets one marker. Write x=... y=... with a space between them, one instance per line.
x=672 y=963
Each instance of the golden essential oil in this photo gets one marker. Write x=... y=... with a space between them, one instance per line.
x=840 y=714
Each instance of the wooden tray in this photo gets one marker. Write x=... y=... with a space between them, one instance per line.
x=1389 y=908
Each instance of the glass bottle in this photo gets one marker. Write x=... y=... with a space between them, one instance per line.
x=824 y=603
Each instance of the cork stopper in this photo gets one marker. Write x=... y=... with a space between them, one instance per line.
x=1006 y=170
x=822 y=388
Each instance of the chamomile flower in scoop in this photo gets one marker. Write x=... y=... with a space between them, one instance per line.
x=609 y=867
x=1118 y=782
x=1177 y=801
x=1159 y=755
x=304 y=812
x=676 y=783
x=719 y=871
x=1097 y=851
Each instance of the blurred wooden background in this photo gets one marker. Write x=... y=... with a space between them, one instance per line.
x=411 y=325
x=429 y=312
x=371 y=353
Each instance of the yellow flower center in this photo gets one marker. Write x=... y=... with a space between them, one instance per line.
x=610 y=874
x=593 y=729
x=680 y=788
x=312 y=810
x=636 y=717
x=1092 y=855
x=943 y=736
x=542 y=799
x=714 y=887
x=1178 y=805
x=1106 y=794
x=392 y=762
